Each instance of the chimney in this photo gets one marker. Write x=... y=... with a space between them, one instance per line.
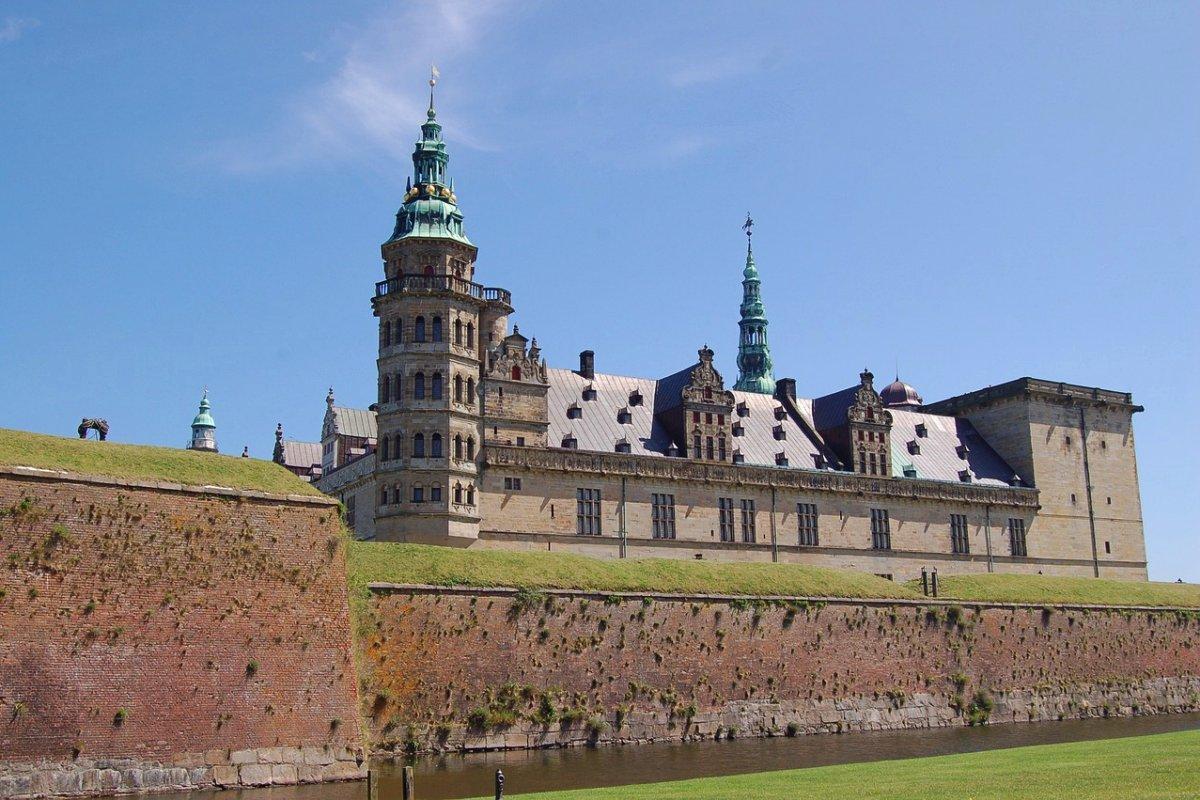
x=587 y=364
x=785 y=387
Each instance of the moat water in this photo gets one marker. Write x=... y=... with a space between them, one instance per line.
x=451 y=777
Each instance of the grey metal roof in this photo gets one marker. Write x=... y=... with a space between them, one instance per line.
x=939 y=458
x=830 y=411
x=356 y=422
x=301 y=455
x=598 y=429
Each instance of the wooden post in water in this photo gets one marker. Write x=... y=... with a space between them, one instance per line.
x=499 y=785
x=408 y=791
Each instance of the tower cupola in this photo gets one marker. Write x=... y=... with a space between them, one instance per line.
x=755 y=368
x=204 y=429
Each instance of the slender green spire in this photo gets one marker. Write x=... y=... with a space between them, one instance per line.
x=755 y=369
x=430 y=208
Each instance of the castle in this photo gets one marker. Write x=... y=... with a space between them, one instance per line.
x=476 y=442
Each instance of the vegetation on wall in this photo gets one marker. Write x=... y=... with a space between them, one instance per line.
x=141 y=462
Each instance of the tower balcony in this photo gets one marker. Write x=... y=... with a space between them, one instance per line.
x=431 y=284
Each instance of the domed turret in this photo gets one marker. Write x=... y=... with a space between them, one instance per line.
x=204 y=429
x=900 y=394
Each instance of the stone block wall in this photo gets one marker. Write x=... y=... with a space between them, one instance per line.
x=158 y=636
x=460 y=669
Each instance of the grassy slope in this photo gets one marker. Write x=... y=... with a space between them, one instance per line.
x=408 y=563
x=1145 y=767
x=140 y=462
x=1043 y=589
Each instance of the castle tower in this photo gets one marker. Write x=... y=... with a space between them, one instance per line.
x=435 y=325
x=204 y=429
x=755 y=370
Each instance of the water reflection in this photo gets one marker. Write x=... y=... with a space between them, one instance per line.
x=461 y=776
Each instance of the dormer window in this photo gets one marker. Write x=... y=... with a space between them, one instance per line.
x=819 y=461
x=779 y=433
x=739 y=429
x=624 y=417
x=589 y=392
x=570 y=442
x=914 y=447
x=910 y=471
x=738 y=458
x=963 y=451
x=781 y=460
x=623 y=446
x=922 y=431
x=964 y=475
x=635 y=398
x=743 y=410
x=1015 y=480
x=574 y=411
x=672 y=451
x=780 y=412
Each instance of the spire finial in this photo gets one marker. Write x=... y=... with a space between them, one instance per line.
x=748 y=227
x=433 y=76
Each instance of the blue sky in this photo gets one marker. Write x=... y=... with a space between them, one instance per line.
x=195 y=195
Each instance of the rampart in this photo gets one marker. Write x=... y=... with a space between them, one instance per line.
x=157 y=636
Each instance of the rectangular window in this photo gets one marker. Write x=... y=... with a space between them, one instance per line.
x=587 y=512
x=1016 y=536
x=512 y=484
x=806 y=517
x=663 y=515
x=748 y=534
x=725 y=506
x=435 y=494
x=881 y=530
x=959 y=542
x=418 y=494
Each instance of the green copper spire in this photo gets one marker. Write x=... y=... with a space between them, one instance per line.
x=204 y=428
x=430 y=209
x=755 y=369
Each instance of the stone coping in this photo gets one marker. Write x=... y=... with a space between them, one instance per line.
x=596 y=594
x=162 y=486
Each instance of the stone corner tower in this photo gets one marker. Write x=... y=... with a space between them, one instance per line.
x=435 y=324
x=204 y=428
x=755 y=369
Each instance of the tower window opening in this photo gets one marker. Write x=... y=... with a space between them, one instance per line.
x=471 y=447
x=419 y=386
x=437 y=329
x=458 y=388
x=418 y=445
x=470 y=391
x=458 y=446
x=419 y=329
x=458 y=332
x=435 y=446
x=458 y=493
x=470 y=334
x=386 y=336
x=385 y=390
x=437 y=386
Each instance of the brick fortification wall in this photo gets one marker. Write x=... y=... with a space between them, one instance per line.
x=449 y=669
x=153 y=636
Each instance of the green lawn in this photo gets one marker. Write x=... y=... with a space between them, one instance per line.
x=1041 y=589
x=1142 y=767
x=387 y=562
x=140 y=462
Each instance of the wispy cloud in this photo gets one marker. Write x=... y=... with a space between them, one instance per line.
x=709 y=70
x=369 y=104
x=14 y=28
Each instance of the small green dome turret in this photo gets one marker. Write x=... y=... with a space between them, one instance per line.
x=204 y=428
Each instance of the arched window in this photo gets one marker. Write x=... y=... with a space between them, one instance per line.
x=383 y=449
x=397 y=388
x=385 y=389
x=436 y=389
x=398 y=330
x=470 y=391
x=419 y=386
x=470 y=495
x=437 y=329
x=398 y=445
x=435 y=446
x=458 y=493
x=386 y=336
x=458 y=451
x=470 y=334
x=418 y=445
x=458 y=388
x=458 y=331
x=516 y=373
x=419 y=330
x=470 y=447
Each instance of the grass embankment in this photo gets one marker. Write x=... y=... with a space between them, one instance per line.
x=142 y=462
x=1040 y=589
x=385 y=562
x=1145 y=767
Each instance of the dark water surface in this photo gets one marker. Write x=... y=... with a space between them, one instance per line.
x=460 y=776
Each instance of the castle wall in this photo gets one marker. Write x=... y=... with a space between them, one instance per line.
x=155 y=636
x=541 y=515
x=475 y=669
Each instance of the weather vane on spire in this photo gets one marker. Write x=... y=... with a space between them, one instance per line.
x=748 y=226
x=433 y=76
